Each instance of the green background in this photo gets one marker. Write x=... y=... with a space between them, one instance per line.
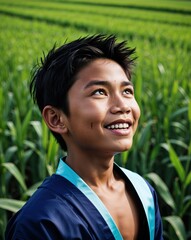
x=161 y=32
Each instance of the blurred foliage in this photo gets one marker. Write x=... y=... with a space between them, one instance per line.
x=161 y=32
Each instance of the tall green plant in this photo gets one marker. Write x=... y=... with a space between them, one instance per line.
x=181 y=192
x=28 y=152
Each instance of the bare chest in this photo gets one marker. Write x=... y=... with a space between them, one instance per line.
x=124 y=212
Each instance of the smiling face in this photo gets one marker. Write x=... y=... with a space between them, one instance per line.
x=103 y=111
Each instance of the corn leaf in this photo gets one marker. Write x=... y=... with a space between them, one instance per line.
x=26 y=123
x=11 y=204
x=16 y=173
x=37 y=127
x=176 y=163
x=188 y=180
x=189 y=110
x=10 y=152
x=162 y=189
x=32 y=189
x=178 y=226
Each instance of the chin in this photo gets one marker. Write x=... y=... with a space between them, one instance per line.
x=126 y=145
x=123 y=149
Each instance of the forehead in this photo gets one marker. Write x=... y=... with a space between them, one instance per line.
x=101 y=69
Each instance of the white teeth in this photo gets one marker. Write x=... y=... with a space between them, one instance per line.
x=118 y=126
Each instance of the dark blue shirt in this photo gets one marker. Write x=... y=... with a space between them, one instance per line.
x=60 y=210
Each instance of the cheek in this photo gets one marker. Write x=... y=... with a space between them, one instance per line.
x=90 y=115
x=94 y=110
x=137 y=111
x=136 y=114
x=94 y=118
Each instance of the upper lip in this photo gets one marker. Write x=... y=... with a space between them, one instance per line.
x=128 y=121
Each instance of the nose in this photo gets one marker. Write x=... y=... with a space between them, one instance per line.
x=120 y=105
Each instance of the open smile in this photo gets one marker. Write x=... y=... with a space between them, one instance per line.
x=120 y=127
x=119 y=124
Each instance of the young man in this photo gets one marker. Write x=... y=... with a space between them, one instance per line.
x=84 y=92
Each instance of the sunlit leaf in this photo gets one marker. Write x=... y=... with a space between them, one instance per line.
x=189 y=110
x=16 y=173
x=176 y=162
x=26 y=122
x=178 y=226
x=10 y=152
x=188 y=180
x=162 y=189
x=37 y=127
x=11 y=204
x=32 y=189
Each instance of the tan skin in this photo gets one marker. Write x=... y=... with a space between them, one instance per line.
x=101 y=97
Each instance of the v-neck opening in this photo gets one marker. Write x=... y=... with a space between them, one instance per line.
x=137 y=184
x=65 y=171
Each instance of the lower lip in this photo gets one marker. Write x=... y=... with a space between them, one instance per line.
x=121 y=132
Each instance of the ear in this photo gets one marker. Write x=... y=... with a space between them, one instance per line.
x=54 y=119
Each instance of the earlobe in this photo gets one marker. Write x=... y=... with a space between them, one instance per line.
x=54 y=119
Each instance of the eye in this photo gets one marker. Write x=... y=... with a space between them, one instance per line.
x=128 y=91
x=99 y=92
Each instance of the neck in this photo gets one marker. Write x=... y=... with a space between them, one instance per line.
x=95 y=170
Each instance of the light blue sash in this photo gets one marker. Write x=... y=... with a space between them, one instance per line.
x=137 y=181
x=146 y=197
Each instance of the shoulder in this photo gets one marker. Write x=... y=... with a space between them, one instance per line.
x=43 y=213
x=57 y=210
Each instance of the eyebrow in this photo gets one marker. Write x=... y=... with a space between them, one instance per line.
x=106 y=83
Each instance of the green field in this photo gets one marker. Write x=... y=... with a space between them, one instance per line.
x=161 y=32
